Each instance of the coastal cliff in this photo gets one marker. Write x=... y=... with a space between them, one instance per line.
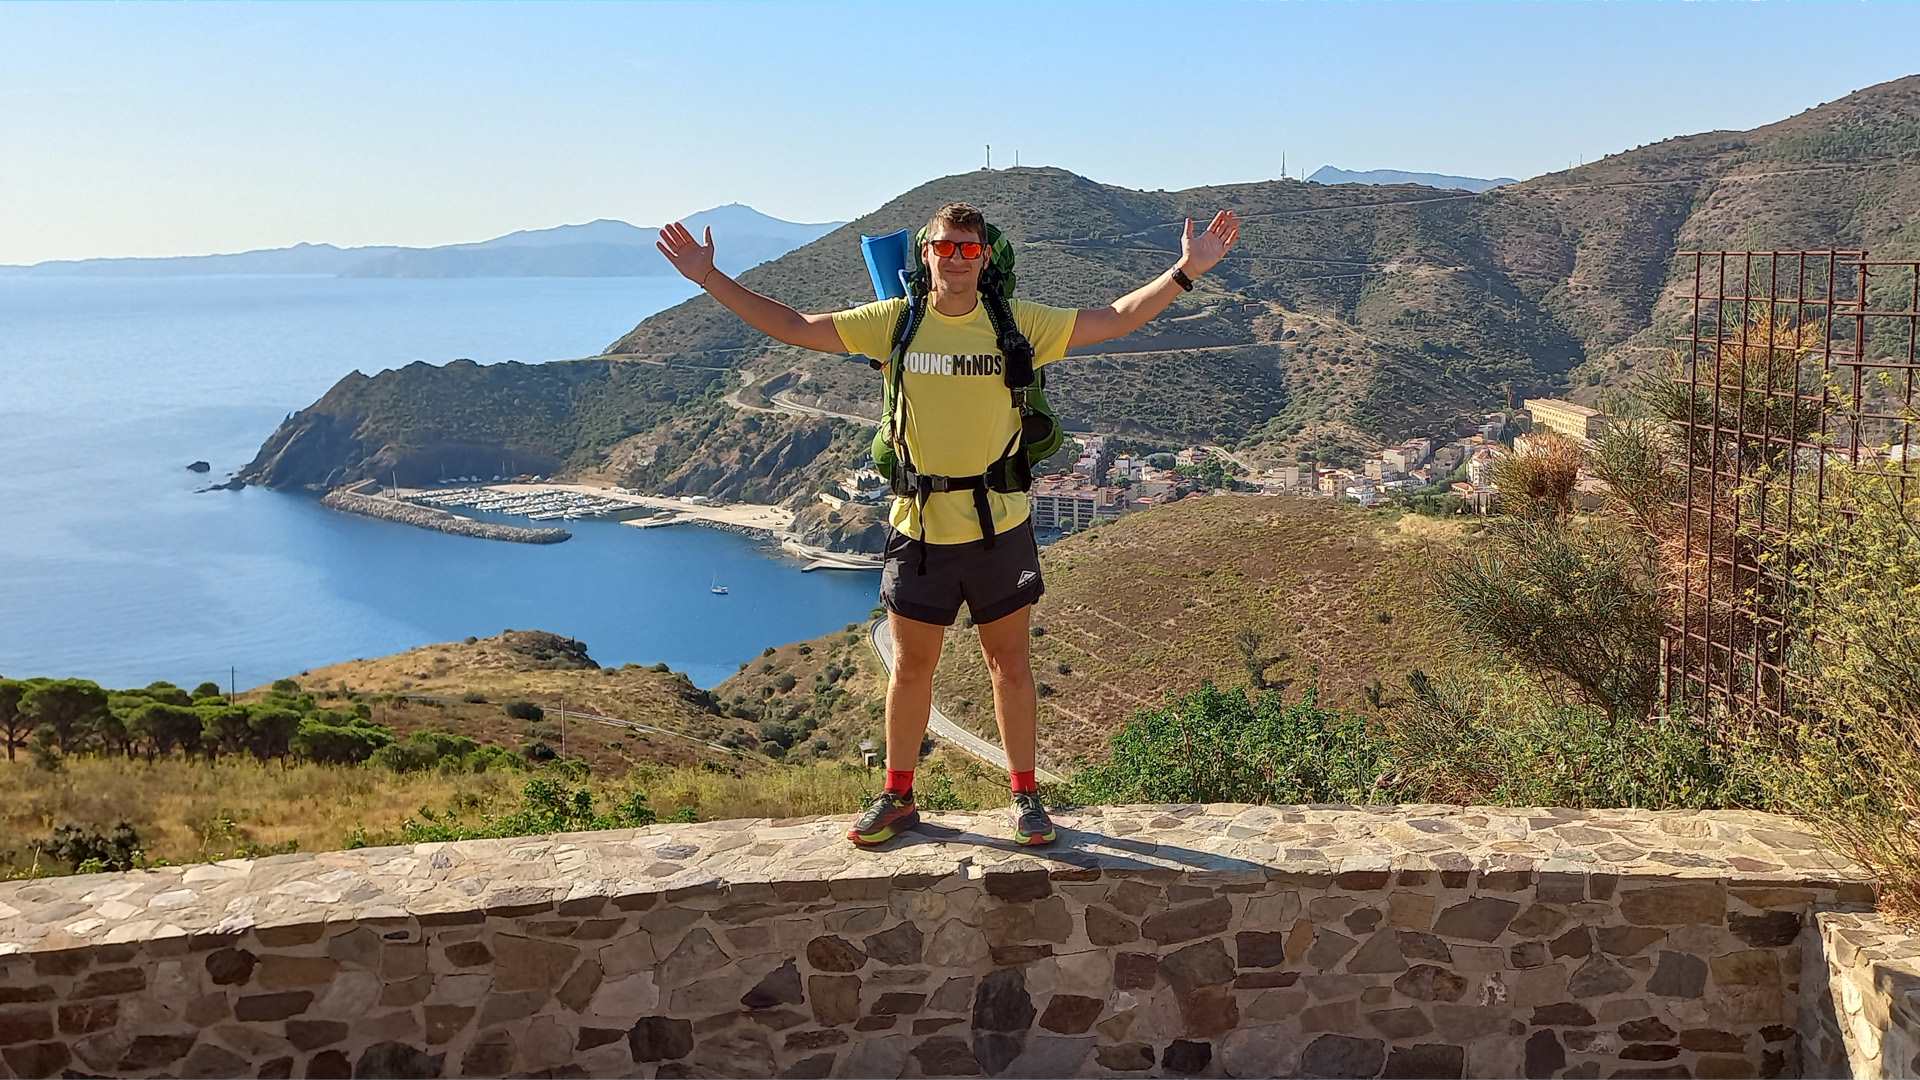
x=424 y=421
x=739 y=456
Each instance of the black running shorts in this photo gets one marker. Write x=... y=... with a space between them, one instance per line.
x=993 y=581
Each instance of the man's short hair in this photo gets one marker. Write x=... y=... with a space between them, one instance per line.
x=961 y=216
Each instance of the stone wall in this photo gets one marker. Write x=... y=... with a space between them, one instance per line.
x=1863 y=1018
x=1195 y=940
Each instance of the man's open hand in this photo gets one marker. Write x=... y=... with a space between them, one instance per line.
x=1199 y=253
x=695 y=260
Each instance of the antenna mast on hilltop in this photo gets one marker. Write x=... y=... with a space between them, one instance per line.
x=1283 y=164
x=989 y=155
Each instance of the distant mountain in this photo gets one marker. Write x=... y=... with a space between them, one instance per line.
x=604 y=248
x=298 y=259
x=743 y=237
x=1327 y=174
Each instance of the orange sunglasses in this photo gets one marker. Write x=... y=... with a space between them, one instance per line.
x=968 y=249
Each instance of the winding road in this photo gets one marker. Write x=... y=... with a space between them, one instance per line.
x=937 y=722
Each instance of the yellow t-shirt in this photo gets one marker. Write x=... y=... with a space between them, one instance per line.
x=959 y=414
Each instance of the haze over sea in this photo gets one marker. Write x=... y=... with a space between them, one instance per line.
x=112 y=568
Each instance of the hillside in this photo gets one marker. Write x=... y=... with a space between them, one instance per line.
x=423 y=422
x=547 y=670
x=827 y=693
x=1350 y=315
x=1410 y=307
x=1333 y=593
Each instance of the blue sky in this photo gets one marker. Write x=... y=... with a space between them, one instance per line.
x=188 y=128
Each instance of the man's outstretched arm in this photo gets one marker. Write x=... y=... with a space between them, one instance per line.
x=694 y=260
x=1198 y=254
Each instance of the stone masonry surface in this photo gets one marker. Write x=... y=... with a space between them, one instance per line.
x=1217 y=940
x=1862 y=1019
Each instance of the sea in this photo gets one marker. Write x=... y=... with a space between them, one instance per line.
x=113 y=567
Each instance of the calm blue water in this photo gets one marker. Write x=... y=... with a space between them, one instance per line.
x=113 y=569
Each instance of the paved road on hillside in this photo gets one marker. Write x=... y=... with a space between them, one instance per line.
x=986 y=750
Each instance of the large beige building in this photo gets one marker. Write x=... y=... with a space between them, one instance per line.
x=1070 y=504
x=1566 y=418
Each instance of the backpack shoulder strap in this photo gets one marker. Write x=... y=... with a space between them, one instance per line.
x=908 y=324
x=1013 y=344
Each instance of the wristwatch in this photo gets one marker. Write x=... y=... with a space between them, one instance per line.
x=1180 y=278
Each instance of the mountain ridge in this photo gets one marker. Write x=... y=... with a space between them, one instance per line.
x=602 y=247
x=1328 y=174
x=1348 y=318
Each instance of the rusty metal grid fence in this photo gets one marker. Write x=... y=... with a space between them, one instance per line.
x=1794 y=364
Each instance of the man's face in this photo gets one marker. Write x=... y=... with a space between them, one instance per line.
x=954 y=273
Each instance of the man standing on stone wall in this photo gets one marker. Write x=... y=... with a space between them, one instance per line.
x=958 y=426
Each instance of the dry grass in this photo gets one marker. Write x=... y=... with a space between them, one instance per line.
x=1538 y=483
x=946 y=780
x=189 y=811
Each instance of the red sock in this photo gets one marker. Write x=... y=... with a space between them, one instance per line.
x=1023 y=782
x=900 y=781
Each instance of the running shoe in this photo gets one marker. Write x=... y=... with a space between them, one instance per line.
x=1031 y=825
x=889 y=816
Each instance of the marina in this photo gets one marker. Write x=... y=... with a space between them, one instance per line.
x=354 y=499
x=540 y=501
x=545 y=504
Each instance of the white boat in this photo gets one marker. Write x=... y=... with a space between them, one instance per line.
x=718 y=589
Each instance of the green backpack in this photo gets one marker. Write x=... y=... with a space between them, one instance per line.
x=1040 y=433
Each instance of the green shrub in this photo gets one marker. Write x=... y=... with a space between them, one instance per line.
x=526 y=710
x=429 y=749
x=286 y=686
x=403 y=757
x=90 y=851
x=493 y=757
x=474 y=697
x=1569 y=601
x=547 y=805
x=333 y=739
x=1217 y=745
x=1855 y=773
x=1488 y=740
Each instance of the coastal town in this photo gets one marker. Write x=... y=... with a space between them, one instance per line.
x=1458 y=471
x=1109 y=478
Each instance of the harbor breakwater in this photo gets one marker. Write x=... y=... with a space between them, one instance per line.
x=353 y=502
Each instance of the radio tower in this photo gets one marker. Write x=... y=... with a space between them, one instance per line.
x=989 y=155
